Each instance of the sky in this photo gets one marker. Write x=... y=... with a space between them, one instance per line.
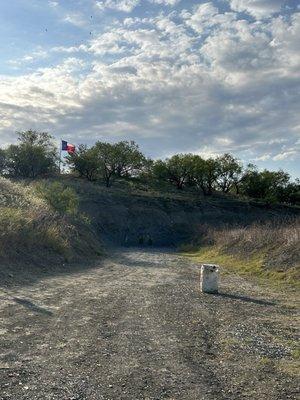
x=176 y=76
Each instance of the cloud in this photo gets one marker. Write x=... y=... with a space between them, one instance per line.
x=166 y=2
x=199 y=80
x=119 y=5
x=36 y=55
x=129 y=5
x=53 y=3
x=202 y=17
x=285 y=155
x=76 y=19
x=112 y=42
x=69 y=50
x=257 y=8
x=263 y=157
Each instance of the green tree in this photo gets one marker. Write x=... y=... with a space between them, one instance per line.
x=107 y=160
x=264 y=185
x=107 y=156
x=85 y=162
x=177 y=169
x=35 y=155
x=290 y=193
x=229 y=173
x=3 y=161
x=205 y=173
x=129 y=159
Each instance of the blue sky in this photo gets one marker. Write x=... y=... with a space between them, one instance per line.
x=174 y=75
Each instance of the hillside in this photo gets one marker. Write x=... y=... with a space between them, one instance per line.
x=245 y=235
x=32 y=233
x=130 y=210
x=132 y=213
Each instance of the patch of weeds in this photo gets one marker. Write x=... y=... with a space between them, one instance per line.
x=230 y=345
x=265 y=361
x=248 y=266
x=266 y=365
x=291 y=367
x=296 y=354
x=62 y=199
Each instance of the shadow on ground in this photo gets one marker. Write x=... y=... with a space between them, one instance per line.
x=32 y=307
x=246 y=299
x=28 y=274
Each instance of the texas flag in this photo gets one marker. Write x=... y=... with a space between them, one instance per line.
x=65 y=146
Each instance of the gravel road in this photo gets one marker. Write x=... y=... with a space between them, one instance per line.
x=135 y=326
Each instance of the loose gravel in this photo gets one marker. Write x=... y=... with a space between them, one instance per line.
x=135 y=326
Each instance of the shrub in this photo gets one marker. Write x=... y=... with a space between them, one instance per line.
x=27 y=223
x=35 y=155
x=34 y=227
x=62 y=199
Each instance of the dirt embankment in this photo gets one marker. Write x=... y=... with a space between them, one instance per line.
x=33 y=233
x=124 y=216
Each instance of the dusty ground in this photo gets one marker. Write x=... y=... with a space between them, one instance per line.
x=136 y=327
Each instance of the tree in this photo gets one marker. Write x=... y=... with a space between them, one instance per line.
x=3 y=161
x=229 y=173
x=34 y=138
x=264 y=185
x=205 y=173
x=85 y=162
x=290 y=193
x=35 y=155
x=107 y=156
x=107 y=160
x=129 y=159
x=177 y=169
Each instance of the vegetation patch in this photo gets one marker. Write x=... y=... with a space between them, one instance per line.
x=38 y=222
x=253 y=265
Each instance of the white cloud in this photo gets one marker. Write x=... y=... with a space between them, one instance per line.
x=76 y=19
x=129 y=5
x=257 y=8
x=201 y=16
x=120 y=5
x=200 y=80
x=166 y=2
x=69 y=50
x=53 y=3
x=34 y=56
x=263 y=157
x=285 y=155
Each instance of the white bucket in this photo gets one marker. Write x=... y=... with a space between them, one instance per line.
x=209 y=280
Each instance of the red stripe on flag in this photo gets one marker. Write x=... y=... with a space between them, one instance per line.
x=70 y=148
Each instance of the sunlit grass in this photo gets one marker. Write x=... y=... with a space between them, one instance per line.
x=247 y=266
x=30 y=225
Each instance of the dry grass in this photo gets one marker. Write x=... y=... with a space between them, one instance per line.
x=30 y=229
x=269 y=250
x=278 y=241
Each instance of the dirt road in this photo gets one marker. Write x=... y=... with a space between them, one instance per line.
x=136 y=327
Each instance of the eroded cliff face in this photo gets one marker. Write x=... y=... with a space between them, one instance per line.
x=129 y=219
